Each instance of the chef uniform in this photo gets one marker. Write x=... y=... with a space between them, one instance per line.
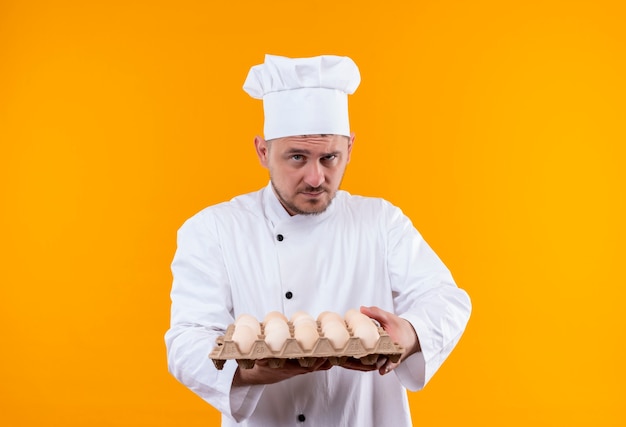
x=249 y=255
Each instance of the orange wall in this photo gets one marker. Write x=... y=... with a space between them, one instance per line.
x=498 y=126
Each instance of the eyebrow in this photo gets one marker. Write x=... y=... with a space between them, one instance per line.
x=292 y=151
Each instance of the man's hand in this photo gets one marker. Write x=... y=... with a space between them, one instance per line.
x=400 y=331
x=262 y=373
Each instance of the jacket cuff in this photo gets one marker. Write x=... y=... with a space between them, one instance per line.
x=412 y=371
x=243 y=399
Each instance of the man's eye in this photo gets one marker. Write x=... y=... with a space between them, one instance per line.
x=297 y=157
x=330 y=157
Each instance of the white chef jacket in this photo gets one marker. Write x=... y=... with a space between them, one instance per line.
x=250 y=256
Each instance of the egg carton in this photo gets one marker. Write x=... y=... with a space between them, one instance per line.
x=227 y=349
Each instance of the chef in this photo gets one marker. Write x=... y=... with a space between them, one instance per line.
x=301 y=244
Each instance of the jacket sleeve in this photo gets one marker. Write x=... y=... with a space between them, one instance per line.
x=426 y=295
x=201 y=311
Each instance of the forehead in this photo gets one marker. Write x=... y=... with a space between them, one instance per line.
x=321 y=143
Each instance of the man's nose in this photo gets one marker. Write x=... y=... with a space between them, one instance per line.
x=314 y=175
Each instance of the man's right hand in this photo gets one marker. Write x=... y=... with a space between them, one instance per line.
x=262 y=373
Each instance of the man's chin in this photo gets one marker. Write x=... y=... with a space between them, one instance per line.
x=301 y=204
x=312 y=207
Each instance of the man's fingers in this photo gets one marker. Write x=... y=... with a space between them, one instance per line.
x=384 y=318
x=322 y=364
x=375 y=313
x=387 y=367
x=380 y=362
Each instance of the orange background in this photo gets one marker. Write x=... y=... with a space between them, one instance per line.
x=498 y=126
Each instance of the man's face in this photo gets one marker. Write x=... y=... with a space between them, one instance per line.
x=305 y=170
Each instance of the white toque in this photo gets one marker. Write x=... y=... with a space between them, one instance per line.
x=304 y=96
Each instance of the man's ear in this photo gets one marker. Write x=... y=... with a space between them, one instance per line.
x=350 y=143
x=262 y=150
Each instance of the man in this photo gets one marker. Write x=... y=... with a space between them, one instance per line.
x=302 y=244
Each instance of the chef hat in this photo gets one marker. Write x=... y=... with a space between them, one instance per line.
x=304 y=96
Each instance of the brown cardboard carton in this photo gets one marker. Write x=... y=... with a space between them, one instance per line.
x=227 y=349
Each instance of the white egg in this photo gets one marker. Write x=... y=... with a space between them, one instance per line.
x=334 y=324
x=276 y=323
x=244 y=336
x=248 y=320
x=336 y=333
x=353 y=316
x=302 y=318
x=305 y=320
x=306 y=334
x=301 y=315
x=367 y=332
x=274 y=315
x=276 y=337
x=328 y=316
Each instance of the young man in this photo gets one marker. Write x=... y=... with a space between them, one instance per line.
x=301 y=244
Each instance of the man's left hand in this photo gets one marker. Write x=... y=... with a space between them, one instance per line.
x=400 y=331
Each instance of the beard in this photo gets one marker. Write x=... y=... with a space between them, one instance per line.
x=313 y=207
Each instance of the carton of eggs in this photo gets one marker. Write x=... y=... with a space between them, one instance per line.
x=304 y=338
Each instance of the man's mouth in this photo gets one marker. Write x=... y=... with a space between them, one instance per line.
x=313 y=192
